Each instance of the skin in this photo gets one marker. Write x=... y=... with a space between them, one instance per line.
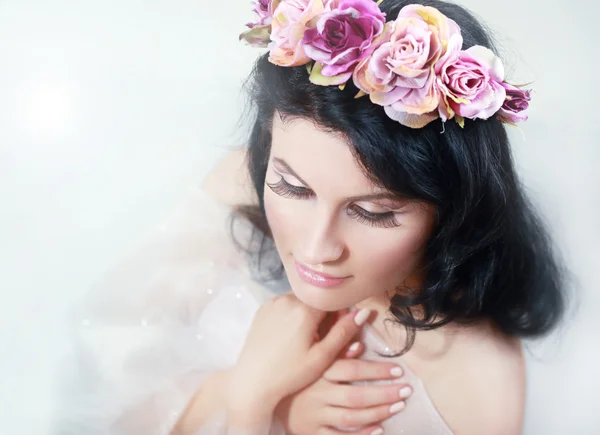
x=327 y=229
x=280 y=363
x=322 y=230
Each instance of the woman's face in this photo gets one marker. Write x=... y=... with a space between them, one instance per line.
x=341 y=239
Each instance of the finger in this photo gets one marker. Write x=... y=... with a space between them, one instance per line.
x=340 y=334
x=368 y=430
x=331 y=318
x=351 y=370
x=365 y=396
x=341 y=313
x=354 y=350
x=345 y=418
x=326 y=324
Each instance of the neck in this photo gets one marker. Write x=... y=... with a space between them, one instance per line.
x=391 y=333
x=428 y=345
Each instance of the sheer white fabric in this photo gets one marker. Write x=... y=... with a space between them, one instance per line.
x=176 y=310
x=420 y=417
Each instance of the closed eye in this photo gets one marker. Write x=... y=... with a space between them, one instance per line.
x=381 y=220
x=287 y=190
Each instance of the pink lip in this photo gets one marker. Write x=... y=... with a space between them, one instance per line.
x=316 y=278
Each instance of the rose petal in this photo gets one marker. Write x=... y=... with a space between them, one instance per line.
x=318 y=78
x=411 y=120
x=289 y=24
x=389 y=98
x=488 y=59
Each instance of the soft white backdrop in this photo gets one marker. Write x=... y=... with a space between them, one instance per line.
x=110 y=112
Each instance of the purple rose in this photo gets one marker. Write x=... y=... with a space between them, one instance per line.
x=342 y=38
x=263 y=10
x=515 y=104
x=259 y=34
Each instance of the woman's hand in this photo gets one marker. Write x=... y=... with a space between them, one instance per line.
x=282 y=355
x=330 y=402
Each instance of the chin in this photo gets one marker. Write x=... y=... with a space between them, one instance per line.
x=321 y=299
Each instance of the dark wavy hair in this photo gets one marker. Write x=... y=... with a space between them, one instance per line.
x=489 y=256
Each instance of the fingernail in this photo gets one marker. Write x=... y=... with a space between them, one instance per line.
x=405 y=392
x=354 y=346
x=397 y=407
x=396 y=371
x=378 y=431
x=362 y=316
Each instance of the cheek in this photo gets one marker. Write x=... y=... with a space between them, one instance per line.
x=284 y=219
x=397 y=261
x=388 y=260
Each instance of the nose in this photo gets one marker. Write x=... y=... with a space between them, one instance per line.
x=321 y=241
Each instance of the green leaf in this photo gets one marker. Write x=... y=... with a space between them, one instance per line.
x=460 y=120
x=360 y=95
x=259 y=36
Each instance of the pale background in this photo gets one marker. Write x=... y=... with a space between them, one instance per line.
x=110 y=112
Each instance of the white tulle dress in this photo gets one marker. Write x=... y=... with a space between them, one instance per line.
x=172 y=312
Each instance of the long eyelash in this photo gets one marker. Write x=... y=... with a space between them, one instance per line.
x=381 y=220
x=285 y=189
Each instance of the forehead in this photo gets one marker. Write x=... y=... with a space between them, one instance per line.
x=323 y=159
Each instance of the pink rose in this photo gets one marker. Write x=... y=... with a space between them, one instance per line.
x=331 y=4
x=438 y=22
x=342 y=38
x=471 y=84
x=400 y=73
x=290 y=20
x=516 y=103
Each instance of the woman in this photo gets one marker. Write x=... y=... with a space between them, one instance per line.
x=382 y=182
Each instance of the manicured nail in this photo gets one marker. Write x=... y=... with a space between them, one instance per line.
x=378 y=431
x=397 y=407
x=405 y=392
x=354 y=346
x=396 y=371
x=362 y=316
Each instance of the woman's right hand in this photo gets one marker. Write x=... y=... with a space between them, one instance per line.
x=283 y=355
x=331 y=402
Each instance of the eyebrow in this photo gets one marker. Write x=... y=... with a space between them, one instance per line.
x=289 y=169
x=369 y=197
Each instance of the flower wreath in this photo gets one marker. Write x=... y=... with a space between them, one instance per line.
x=413 y=66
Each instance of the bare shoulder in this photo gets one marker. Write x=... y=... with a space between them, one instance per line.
x=481 y=386
x=229 y=181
